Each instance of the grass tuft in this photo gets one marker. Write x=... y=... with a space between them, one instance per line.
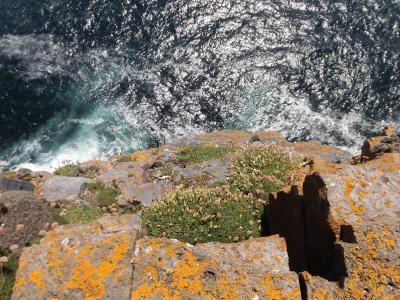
x=7 y=274
x=205 y=215
x=81 y=214
x=201 y=153
x=106 y=196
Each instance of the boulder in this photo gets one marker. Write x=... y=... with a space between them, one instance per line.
x=22 y=216
x=8 y=184
x=91 y=261
x=373 y=147
x=63 y=188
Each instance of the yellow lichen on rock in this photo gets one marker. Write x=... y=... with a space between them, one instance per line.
x=37 y=279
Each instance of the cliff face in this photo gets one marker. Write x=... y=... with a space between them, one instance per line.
x=332 y=233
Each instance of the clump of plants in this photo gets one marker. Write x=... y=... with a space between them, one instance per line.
x=260 y=170
x=70 y=170
x=204 y=215
x=79 y=214
x=75 y=170
x=8 y=271
x=105 y=196
x=201 y=153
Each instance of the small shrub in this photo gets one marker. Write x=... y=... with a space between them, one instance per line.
x=260 y=170
x=201 y=153
x=8 y=271
x=81 y=214
x=106 y=196
x=204 y=215
x=68 y=170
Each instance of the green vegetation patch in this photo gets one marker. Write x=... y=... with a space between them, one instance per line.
x=205 y=215
x=68 y=170
x=80 y=214
x=260 y=170
x=106 y=196
x=8 y=271
x=75 y=170
x=201 y=153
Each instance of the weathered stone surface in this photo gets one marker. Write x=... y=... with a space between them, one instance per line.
x=215 y=169
x=22 y=216
x=254 y=269
x=95 y=262
x=317 y=288
x=7 y=184
x=80 y=262
x=129 y=179
x=314 y=150
x=63 y=188
x=376 y=146
x=229 y=137
x=352 y=224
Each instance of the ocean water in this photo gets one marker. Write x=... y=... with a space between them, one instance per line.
x=85 y=79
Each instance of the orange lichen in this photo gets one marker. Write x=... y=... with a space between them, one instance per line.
x=186 y=277
x=19 y=282
x=359 y=210
x=37 y=278
x=141 y=156
x=275 y=293
x=89 y=278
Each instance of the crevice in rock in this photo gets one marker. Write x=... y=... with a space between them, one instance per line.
x=303 y=287
x=304 y=222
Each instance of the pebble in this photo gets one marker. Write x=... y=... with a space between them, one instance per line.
x=14 y=248
x=54 y=225
x=42 y=232
x=3 y=259
x=19 y=227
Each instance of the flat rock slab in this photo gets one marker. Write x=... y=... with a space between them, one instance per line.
x=254 y=269
x=7 y=184
x=23 y=216
x=216 y=169
x=80 y=262
x=314 y=150
x=63 y=188
x=105 y=260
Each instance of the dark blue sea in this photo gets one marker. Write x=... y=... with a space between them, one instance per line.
x=84 y=79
